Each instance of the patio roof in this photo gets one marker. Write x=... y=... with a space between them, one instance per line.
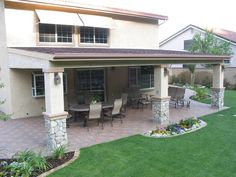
x=84 y=57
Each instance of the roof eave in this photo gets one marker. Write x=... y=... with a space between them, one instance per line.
x=107 y=10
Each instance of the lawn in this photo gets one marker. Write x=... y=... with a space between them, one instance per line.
x=209 y=152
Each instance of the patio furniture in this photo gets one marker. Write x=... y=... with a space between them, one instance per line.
x=144 y=101
x=177 y=97
x=116 y=111
x=124 y=97
x=95 y=113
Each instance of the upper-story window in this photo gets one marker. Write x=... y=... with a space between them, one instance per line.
x=188 y=44
x=93 y=35
x=55 y=33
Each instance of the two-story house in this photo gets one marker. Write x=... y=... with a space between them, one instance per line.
x=53 y=51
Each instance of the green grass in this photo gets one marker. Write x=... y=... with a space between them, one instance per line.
x=209 y=152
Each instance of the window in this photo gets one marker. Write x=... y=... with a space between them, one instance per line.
x=55 y=33
x=141 y=77
x=91 y=81
x=188 y=44
x=93 y=35
x=38 y=89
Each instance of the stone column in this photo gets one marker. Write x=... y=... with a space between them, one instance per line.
x=55 y=116
x=160 y=104
x=218 y=87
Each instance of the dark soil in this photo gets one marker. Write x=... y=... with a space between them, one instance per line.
x=53 y=163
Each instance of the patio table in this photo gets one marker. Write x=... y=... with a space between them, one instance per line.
x=85 y=108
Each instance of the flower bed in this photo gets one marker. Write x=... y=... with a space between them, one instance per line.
x=184 y=126
x=31 y=164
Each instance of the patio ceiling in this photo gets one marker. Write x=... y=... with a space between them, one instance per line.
x=111 y=57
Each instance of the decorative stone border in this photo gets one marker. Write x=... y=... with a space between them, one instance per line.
x=76 y=155
x=202 y=124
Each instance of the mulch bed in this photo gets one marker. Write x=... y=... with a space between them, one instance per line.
x=53 y=162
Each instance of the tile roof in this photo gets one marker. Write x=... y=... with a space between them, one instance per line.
x=95 y=53
x=226 y=34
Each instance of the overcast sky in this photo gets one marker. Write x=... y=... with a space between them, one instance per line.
x=203 y=13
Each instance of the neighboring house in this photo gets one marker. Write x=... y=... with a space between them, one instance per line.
x=54 y=51
x=182 y=40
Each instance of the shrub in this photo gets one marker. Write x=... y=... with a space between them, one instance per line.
x=204 y=78
x=201 y=93
x=184 y=78
x=59 y=152
x=174 y=79
x=26 y=163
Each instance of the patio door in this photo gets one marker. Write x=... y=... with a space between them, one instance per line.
x=91 y=83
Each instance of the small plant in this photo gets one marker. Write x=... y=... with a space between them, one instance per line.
x=59 y=152
x=26 y=163
x=201 y=93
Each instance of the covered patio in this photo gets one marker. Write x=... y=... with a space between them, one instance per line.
x=52 y=62
x=30 y=133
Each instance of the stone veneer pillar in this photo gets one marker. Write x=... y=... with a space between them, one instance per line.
x=217 y=100
x=56 y=131
x=55 y=116
x=217 y=90
x=160 y=103
x=160 y=110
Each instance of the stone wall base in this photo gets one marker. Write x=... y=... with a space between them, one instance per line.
x=160 y=110
x=56 y=133
x=217 y=100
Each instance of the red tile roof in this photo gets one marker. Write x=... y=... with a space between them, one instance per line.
x=226 y=34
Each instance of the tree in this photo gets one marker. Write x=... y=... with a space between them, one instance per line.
x=207 y=44
x=2 y=115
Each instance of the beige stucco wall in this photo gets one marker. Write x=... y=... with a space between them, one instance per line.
x=229 y=73
x=22 y=29
x=4 y=70
x=134 y=34
x=24 y=105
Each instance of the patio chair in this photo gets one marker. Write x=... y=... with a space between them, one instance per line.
x=144 y=101
x=124 y=97
x=116 y=111
x=95 y=113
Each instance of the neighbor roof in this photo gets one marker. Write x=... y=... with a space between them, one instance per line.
x=111 y=53
x=103 y=9
x=227 y=35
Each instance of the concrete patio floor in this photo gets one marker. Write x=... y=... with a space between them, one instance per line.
x=29 y=133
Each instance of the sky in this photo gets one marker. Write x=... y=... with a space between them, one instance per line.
x=203 y=13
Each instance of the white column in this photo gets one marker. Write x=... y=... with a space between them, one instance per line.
x=55 y=116
x=218 y=86
x=160 y=107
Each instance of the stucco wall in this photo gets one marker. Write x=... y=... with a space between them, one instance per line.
x=22 y=30
x=229 y=74
x=24 y=105
x=4 y=70
x=21 y=27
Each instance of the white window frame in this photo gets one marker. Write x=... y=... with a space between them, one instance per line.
x=56 y=40
x=94 y=37
x=34 y=89
x=138 y=85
